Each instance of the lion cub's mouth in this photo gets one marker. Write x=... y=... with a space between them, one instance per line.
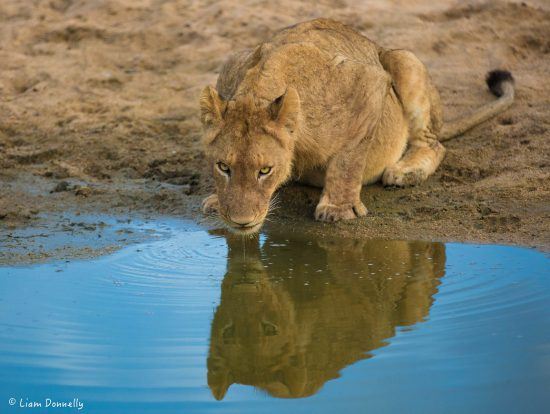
x=245 y=230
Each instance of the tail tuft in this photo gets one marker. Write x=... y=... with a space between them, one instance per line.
x=496 y=78
x=501 y=84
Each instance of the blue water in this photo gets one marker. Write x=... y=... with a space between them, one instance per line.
x=201 y=322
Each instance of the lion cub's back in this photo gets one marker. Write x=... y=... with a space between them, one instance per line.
x=320 y=42
x=332 y=37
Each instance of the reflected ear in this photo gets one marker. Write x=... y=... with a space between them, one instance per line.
x=296 y=380
x=212 y=107
x=292 y=383
x=285 y=110
x=219 y=381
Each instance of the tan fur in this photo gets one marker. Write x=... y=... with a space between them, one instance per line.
x=289 y=331
x=324 y=105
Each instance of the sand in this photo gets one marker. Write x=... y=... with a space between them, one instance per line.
x=98 y=110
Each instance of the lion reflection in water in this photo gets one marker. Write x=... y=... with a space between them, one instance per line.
x=295 y=312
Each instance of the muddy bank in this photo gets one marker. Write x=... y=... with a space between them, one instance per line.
x=66 y=237
x=98 y=111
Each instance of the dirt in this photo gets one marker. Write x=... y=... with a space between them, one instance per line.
x=98 y=111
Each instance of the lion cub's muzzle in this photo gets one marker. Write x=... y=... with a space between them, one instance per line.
x=244 y=223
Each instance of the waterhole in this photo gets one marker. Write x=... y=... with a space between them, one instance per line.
x=199 y=321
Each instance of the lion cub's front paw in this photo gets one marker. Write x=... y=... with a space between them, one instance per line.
x=210 y=204
x=403 y=177
x=333 y=212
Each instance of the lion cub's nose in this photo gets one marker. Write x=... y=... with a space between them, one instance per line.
x=242 y=221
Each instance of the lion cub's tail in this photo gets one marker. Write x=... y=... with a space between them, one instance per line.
x=501 y=84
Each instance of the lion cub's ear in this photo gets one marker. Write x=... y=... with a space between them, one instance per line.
x=212 y=107
x=286 y=109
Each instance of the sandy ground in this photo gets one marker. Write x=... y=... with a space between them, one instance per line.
x=98 y=110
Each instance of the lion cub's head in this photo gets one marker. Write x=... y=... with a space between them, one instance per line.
x=249 y=145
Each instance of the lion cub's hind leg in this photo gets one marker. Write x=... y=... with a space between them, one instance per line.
x=422 y=110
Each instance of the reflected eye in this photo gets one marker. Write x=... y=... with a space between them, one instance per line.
x=269 y=329
x=265 y=171
x=224 y=168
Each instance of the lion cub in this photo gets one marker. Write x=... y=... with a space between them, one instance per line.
x=324 y=105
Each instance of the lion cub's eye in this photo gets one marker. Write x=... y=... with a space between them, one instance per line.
x=265 y=171
x=224 y=168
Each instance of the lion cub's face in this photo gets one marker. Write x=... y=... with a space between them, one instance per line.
x=249 y=146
